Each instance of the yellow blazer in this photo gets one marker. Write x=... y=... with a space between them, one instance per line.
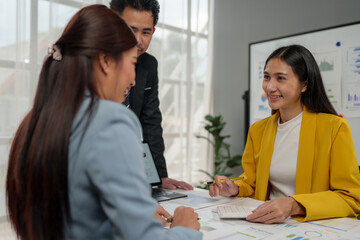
x=327 y=173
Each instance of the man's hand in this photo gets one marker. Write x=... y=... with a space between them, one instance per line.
x=172 y=184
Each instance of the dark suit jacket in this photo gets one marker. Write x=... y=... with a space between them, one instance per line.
x=145 y=104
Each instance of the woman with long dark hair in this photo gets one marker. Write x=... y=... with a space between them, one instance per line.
x=75 y=165
x=302 y=158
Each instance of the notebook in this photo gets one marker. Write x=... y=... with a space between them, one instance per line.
x=153 y=177
x=234 y=211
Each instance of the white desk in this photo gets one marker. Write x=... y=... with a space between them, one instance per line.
x=215 y=229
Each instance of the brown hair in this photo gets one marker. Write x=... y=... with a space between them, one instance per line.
x=37 y=178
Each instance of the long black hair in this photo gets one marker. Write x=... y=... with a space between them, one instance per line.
x=306 y=69
x=37 y=178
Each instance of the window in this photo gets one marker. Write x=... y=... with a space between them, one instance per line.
x=181 y=46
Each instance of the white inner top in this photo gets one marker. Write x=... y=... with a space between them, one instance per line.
x=284 y=159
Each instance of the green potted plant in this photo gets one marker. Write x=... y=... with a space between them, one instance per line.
x=223 y=160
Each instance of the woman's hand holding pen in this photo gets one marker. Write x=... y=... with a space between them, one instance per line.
x=185 y=217
x=161 y=214
x=223 y=186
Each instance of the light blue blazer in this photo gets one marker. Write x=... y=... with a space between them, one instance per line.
x=109 y=196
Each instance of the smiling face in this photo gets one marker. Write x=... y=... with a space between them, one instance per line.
x=283 y=89
x=126 y=73
x=115 y=78
x=142 y=23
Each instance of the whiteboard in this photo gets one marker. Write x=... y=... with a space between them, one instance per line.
x=337 y=52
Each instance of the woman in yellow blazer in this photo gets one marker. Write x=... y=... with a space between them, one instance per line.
x=326 y=179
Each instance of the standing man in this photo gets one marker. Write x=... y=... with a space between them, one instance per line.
x=142 y=16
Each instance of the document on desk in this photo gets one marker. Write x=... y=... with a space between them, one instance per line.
x=248 y=202
x=197 y=199
x=214 y=228
x=233 y=211
x=340 y=224
x=239 y=208
x=331 y=229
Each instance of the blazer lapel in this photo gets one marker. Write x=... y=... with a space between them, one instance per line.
x=138 y=94
x=267 y=148
x=305 y=159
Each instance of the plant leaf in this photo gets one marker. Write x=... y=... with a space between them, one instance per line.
x=234 y=161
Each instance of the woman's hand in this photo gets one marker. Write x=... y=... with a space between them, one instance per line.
x=276 y=210
x=185 y=217
x=162 y=215
x=228 y=188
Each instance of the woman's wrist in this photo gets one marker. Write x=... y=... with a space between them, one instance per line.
x=297 y=209
x=237 y=190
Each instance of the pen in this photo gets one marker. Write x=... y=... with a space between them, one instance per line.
x=170 y=219
x=213 y=182
x=222 y=181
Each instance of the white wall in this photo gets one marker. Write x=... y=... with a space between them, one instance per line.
x=240 y=22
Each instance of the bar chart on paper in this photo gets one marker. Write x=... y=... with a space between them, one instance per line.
x=351 y=82
x=354 y=99
x=353 y=61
